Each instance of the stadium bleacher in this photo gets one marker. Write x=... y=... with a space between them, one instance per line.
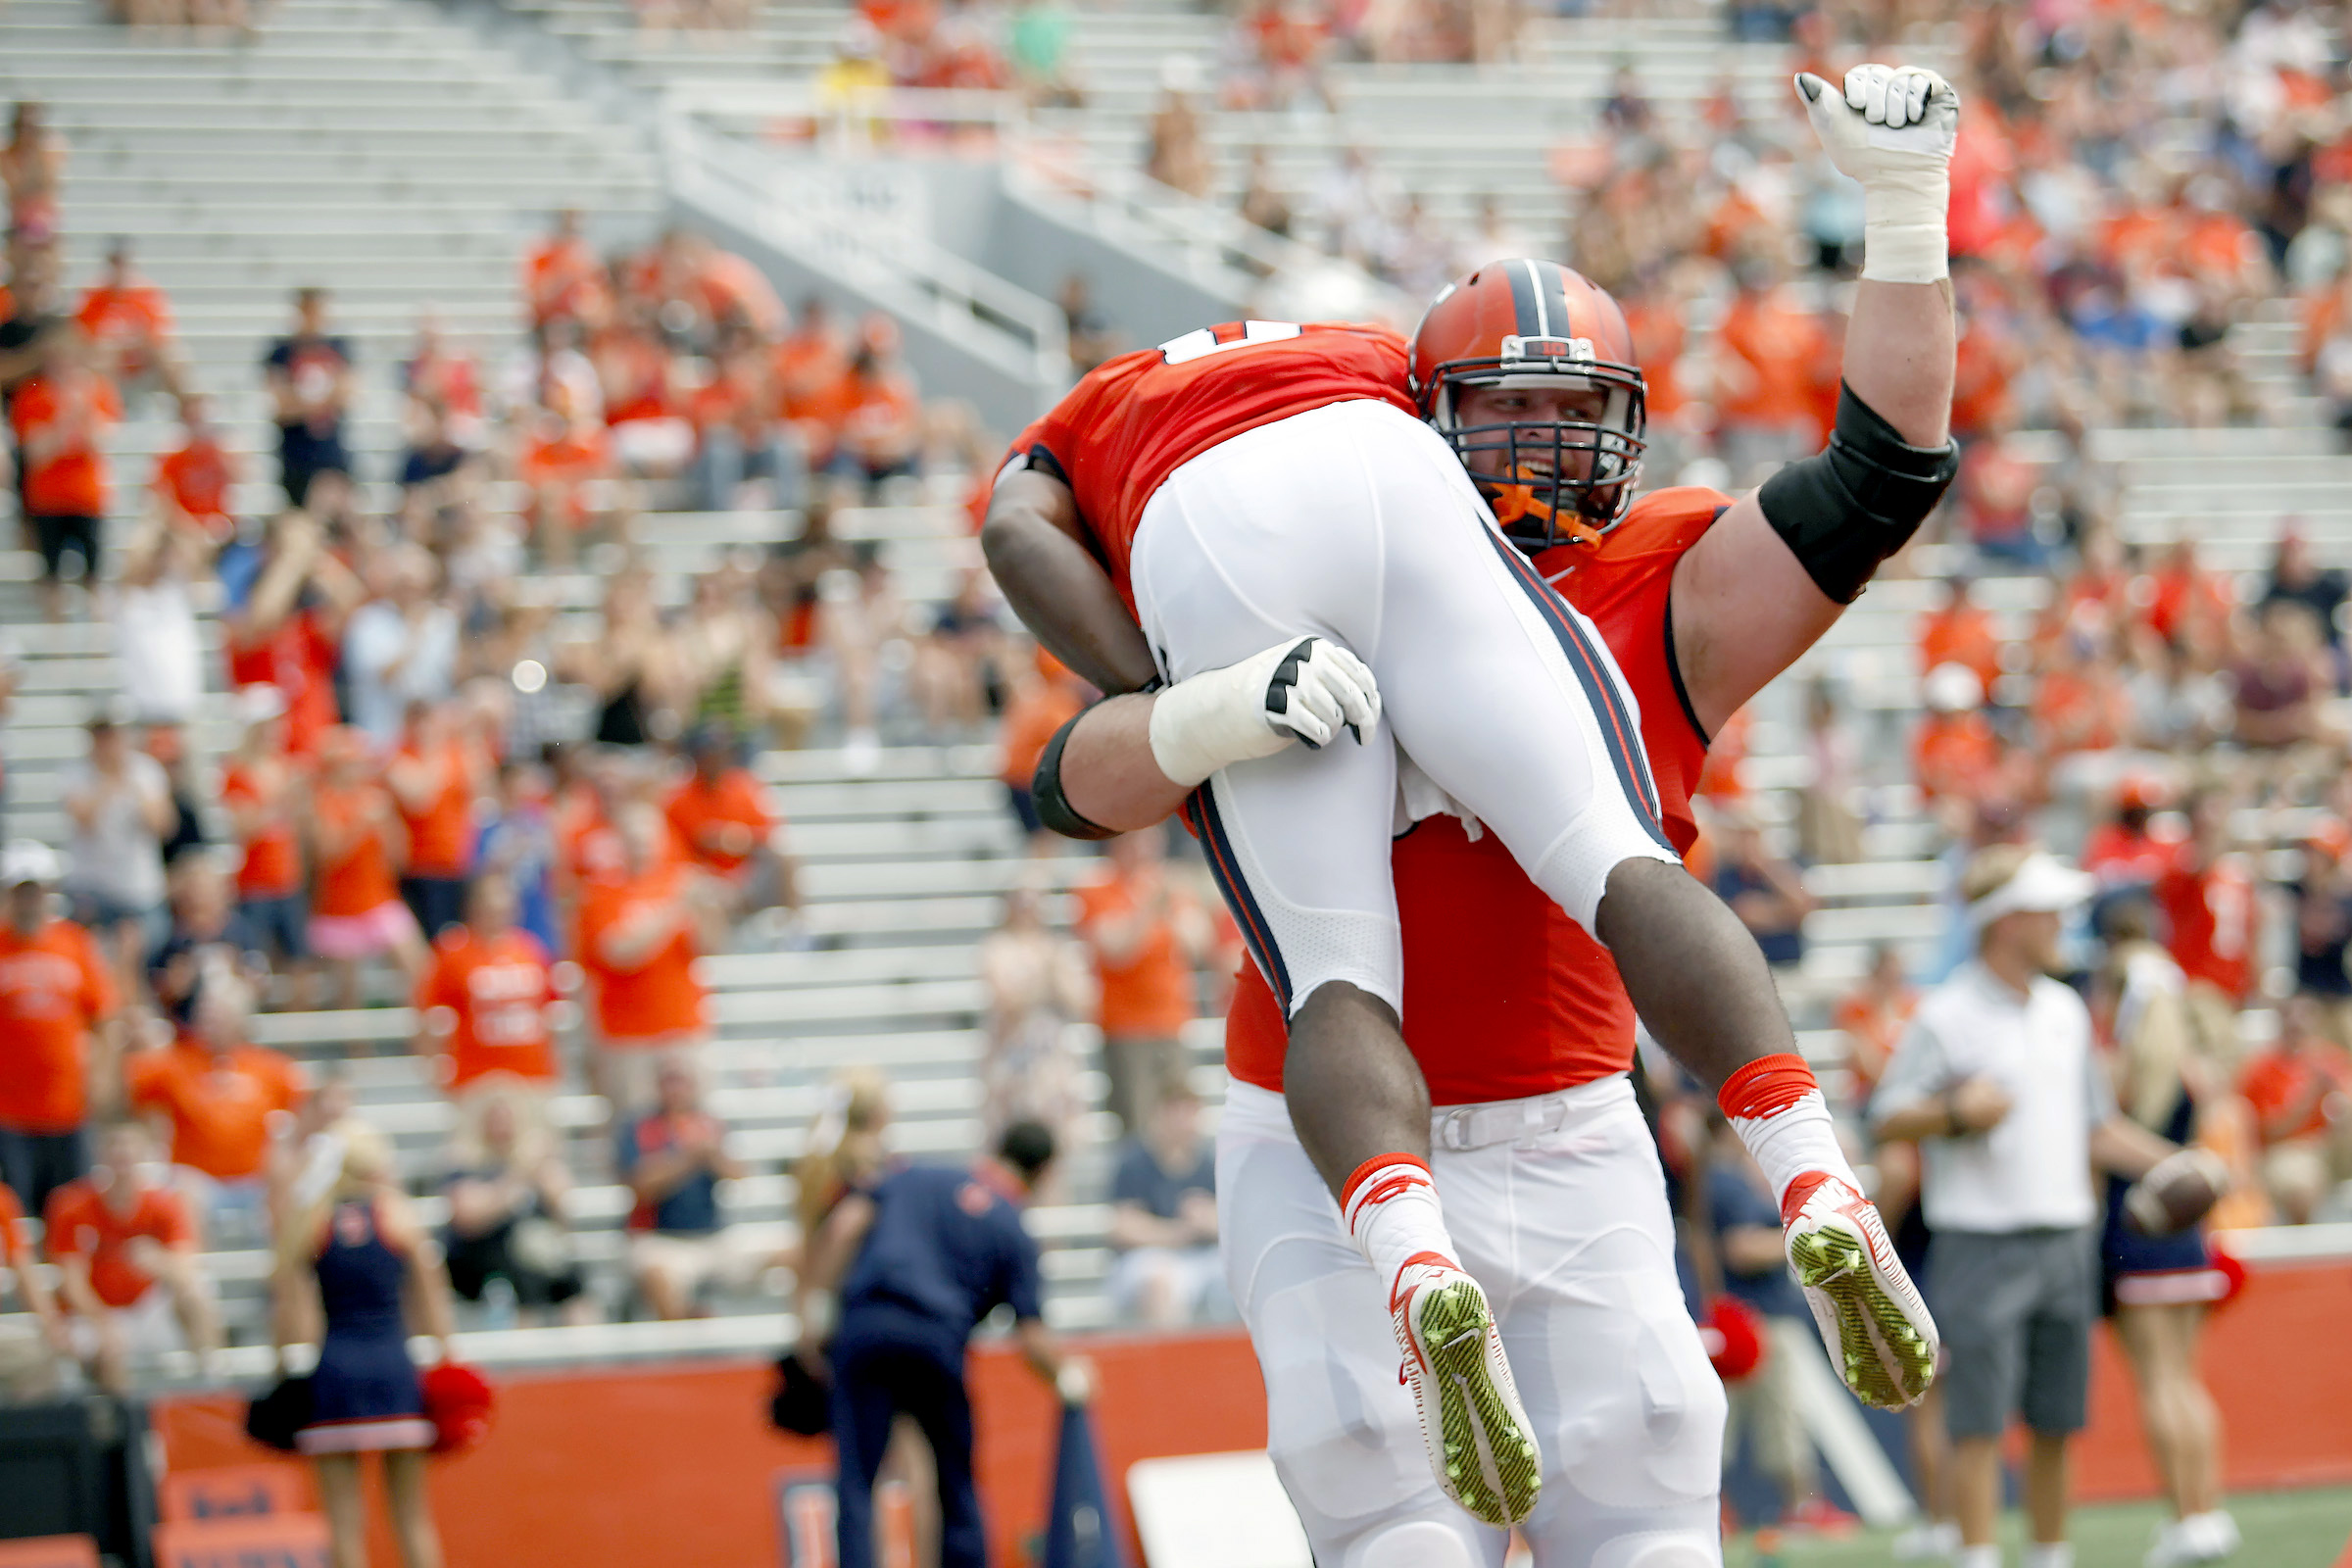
x=381 y=149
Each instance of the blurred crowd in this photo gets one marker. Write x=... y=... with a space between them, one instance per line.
x=523 y=797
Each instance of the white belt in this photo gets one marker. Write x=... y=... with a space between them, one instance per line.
x=1503 y=1121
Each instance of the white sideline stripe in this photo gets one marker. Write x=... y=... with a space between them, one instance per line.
x=1845 y=1440
x=1215 y=1510
x=2330 y=1242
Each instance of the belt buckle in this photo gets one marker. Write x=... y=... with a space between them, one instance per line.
x=1453 y=1128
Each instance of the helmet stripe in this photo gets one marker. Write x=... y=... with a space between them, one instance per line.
x=1554 y=297
x=1524 y=298
x=1535 y=279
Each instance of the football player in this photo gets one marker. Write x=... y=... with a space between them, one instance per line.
x=1332 y=522
x=1516 y=1016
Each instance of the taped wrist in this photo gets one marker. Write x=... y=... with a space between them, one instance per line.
x=1054 y=808
x=1847 y=508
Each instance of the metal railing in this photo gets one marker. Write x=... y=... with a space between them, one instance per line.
x=926 y=282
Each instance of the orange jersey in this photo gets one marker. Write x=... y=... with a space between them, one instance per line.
x=54 y=989
x=219 y=1106
x=123 y=320
x=272 y=864
x=1031 y=720
x=2212 y=915
x=720 y=824
x=1135 y=420
x=14 y=1253
x=493 y=997
x=1147 y=993
x=196 y=478
x=657 y=1000
x=359 y=878
x=1955 y=754
x=1505 y=996
x=80 y=1224
x=70 y=481
x=441 y=836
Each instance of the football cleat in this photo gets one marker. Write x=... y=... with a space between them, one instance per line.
x=1481 y=1445
x=1878 y=1330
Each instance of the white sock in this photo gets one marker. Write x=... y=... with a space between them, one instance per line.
x=1390 y=1206
x=2058 y=1555
x=1987 y=1557
x=1777 y=1110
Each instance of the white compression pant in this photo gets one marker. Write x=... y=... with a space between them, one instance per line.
x=1356 y=522
x=1565 y=1224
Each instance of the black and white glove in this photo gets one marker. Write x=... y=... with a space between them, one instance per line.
x=1893 y=129
x=1303 y=690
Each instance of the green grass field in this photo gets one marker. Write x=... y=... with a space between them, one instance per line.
x=2283 y=1530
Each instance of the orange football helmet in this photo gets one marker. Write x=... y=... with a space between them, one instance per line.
x=1534 y=326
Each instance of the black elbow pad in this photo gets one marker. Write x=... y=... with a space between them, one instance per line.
x=1849 y=507
x=1053 y=806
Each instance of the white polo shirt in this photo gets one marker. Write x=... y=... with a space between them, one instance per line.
x=2032 y=1170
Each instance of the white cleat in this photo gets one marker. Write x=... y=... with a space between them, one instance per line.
x=1879 y=1336
x=1481 y=1445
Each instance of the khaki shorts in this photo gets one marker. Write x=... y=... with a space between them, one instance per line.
x=29 y=1372
x=630 y=1077
x=149 y=1326
x=729 y=1258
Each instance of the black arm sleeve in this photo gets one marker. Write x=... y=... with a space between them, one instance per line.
x=1053 y=806
x=1858 y=501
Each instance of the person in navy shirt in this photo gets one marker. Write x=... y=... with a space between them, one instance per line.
x=929 y=1253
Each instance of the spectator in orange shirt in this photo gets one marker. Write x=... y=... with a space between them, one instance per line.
x=125 y=1246
x=1145 y=933
x=56 y=1030
x=640 y=933
x=217 y=1102
x=287 y=629
x=264 y=796
x=565 y=456
x=561 y=279
x=2122 y=853
x=719 y=814
x=28 y=1360
x=129 y=326
x=2190 y=607
x=1043 y=700
x=1873 y=1015
x=355 y=839
x=739 y=437
x=2301 y=1094
x=812 y=381
x=2213 y=915
x=437 y=776
x=1954 y=753
x=62 y=417
x=1766 y=348
x=194 y=481
x=2079 y=703
x=1995 y=491
x=881 y=428
x=1961 y=632
x=483 y=1011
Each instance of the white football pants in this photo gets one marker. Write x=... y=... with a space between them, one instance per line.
x=1355 y=522
x=1559 y=1210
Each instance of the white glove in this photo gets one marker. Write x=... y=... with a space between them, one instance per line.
x=1893 y=132
x=1303 y=689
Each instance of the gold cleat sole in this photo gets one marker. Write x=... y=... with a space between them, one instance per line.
x=1888 y=1363
x=1492 y=1466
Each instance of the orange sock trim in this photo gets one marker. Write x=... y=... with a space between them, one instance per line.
x=1379 y=1162
x=1766 y=1087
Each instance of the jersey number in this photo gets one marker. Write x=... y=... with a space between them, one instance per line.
x=1205 y=342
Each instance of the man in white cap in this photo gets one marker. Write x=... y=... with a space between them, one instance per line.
x=1997 y=1081
x=58 y=1001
